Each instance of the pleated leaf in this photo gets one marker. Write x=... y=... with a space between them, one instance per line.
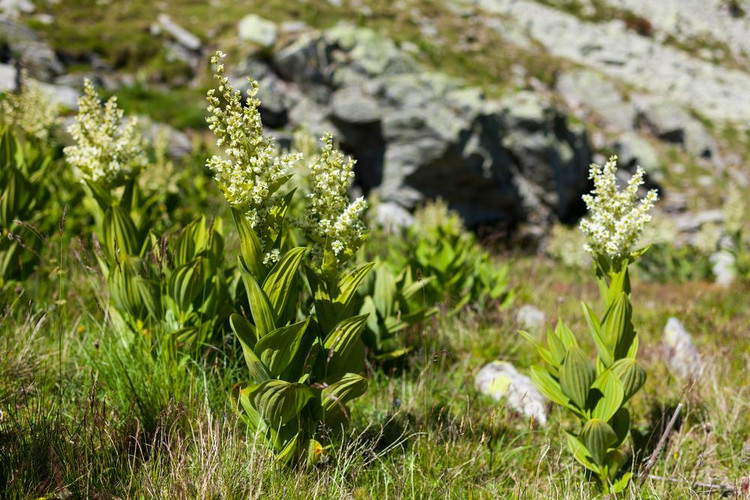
x=279 y=401
x=608 y=383
x=576 y=376
x=631 y=374
x=278 y=348
x=597 y=436
x=278 y=285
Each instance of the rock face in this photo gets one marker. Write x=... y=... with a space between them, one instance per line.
x=644 y=62
x=418 y=134
x=500 y=379
x=682 y=356
x=25 y=47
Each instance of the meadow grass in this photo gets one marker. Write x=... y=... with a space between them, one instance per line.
x=85 y=415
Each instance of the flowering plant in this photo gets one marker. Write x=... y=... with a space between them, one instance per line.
x=597 y=393
x=303 y=364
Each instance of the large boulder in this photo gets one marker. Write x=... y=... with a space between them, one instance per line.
x=419 y=134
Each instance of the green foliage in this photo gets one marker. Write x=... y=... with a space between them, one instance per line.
x=460 y=272
x=394 y=303
x=596 y=392
x=303 y=365
x=667 y=262
x=25 y=168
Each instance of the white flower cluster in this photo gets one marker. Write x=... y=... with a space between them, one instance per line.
x=30 y=110
x=616 y=218
x=105 y=150
x=250 y=172
x=332 y=222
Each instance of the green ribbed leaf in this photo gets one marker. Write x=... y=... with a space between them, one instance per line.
x=597 y=436
x=280 y=282
x=278 y=348
x=620 y=423
x=580 y=453
x=549 y=387
x=576 y=376
x=543 y=352
x=345 y=348
x=385 y=291
x=612 y=393
x=616 y=322
x=349 y=284
x=565 y=335
x=260 y=307
x=605 y=353
x=631 y=374
x=250 y=247
x=186 y=283
x=120 y=235
x=336 y=396
x=278 y=401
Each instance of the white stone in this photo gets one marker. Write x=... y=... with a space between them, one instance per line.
x=7 y=78
x=682 y=357
x=723 y=267
x=179 y=34
x=500 y=379
x=257 y=30
x=530 y=317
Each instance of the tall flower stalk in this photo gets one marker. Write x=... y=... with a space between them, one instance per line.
x=597 y=392
x=303 y=361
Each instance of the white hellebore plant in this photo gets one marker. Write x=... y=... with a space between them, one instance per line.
x=597 y=393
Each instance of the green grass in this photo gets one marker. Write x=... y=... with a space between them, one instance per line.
x=82 y=414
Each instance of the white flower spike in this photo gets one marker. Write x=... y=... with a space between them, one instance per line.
x=616 y=219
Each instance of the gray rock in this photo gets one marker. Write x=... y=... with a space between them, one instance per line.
x=419 y=134
x=178 y=144
x=391 y=216
x=179 y=34
x=12 y=32
x=353 y=105
x=692 y=221
x=633 y=150
x=8 y=78
x=501 y=380
x=61 y=94
x=530 y=318
x=589 y=89
x=642 y=62
x=723 y=267
x=682 y=357
x=255 y=29
x=549 y=152
x=38 y=59
x=671 y=122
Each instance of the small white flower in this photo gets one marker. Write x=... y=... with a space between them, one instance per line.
x=616 y=219
x=332 y=221
x=30 y=110
x=251 y=172
x=104 y=150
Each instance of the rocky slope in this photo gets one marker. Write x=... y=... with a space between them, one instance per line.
x=626 y=82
